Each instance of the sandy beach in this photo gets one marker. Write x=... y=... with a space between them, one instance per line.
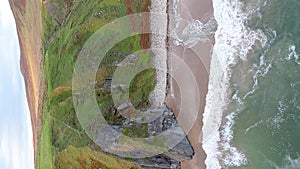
x=198 y=60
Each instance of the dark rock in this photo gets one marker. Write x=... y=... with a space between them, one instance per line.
x=164 y=136
x=158 y=162
x=183 y=150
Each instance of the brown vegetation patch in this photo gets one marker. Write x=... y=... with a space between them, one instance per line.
x=27 y=14
x=138 y=6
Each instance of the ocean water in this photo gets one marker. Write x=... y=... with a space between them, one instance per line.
x=252 y=116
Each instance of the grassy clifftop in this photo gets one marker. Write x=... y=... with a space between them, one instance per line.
x=67 y=25
x=79 y=158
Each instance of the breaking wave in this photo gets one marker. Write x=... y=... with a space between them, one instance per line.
x=233 y=41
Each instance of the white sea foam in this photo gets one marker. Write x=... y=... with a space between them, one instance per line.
x=274 y=122
x=232 y=156
x=293 y=55
x=233 y=41
x=290 y=163
x=254 y=125
x=262 y=71
x=264 y=66
x=212 y=116
x=194 y=31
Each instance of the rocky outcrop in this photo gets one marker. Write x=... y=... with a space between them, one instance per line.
x=158 y=162
x=181 y=151
x=165 y=147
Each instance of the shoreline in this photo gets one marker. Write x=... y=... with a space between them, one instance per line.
x=198 y=59
x=228 y=50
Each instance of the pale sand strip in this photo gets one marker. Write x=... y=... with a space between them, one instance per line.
x=200 y=10
x=158 y=46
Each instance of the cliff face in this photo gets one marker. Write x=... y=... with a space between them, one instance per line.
x=28 y=21
x=27 y=14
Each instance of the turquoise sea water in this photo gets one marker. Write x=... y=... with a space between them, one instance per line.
x=264 y=114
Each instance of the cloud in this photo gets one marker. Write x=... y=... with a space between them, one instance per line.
x=4 y=13
x=4 y=145
x=16 y=144
x=12 y=151
x=9 y=49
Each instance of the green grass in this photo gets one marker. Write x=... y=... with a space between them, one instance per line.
x=62 y=137
x=79 y=158
x=137 y=130
x=65 y=127
x=72 y=36
x=44 y=149
x=44 y=155
x=141 y=87
x=48 y=25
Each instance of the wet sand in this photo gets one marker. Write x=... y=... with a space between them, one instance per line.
x=198 y=60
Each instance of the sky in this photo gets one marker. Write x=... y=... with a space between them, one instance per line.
x=16 y=145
